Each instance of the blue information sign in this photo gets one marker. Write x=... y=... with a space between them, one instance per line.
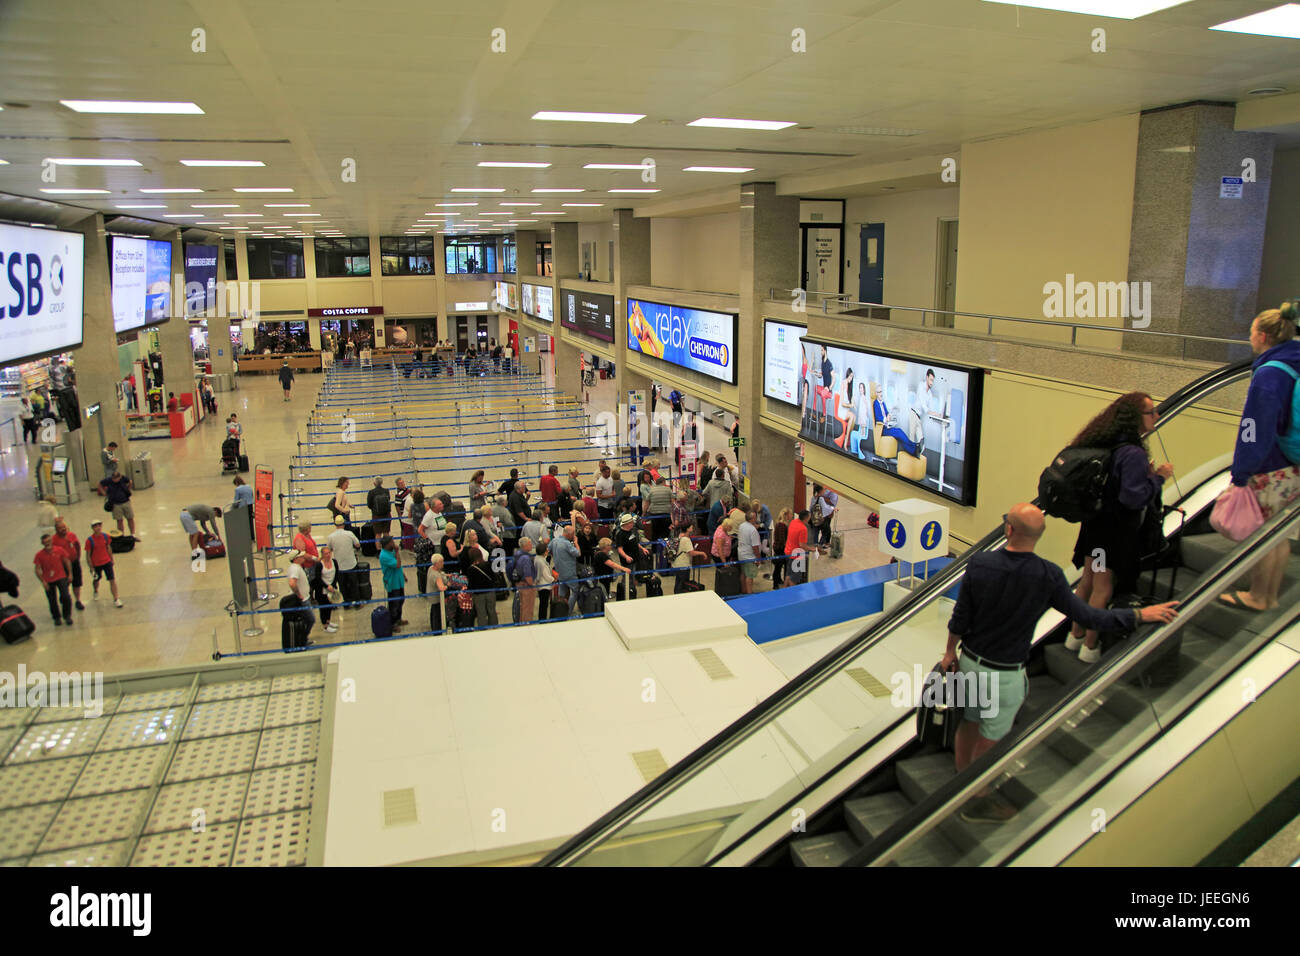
x=895 y=533
x=931 y=535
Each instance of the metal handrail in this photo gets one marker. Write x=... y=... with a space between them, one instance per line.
x=1075 y=327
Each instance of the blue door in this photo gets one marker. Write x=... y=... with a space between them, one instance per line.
x=871 y=262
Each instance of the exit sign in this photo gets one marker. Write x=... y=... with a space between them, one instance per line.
x=736 y=442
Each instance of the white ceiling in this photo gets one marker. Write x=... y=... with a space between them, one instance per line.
x=407 y=88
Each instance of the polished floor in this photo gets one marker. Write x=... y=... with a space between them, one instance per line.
x=174 y=614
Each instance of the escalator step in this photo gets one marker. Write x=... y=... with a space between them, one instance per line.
x=918 y=777
x=1043 y=776
x=1044 y=691
x=1099 y=733
x=868 y=817
x=1063 y=665
x=1202 y=551
x=826 y=849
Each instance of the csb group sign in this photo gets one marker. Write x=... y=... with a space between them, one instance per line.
x=696 y=339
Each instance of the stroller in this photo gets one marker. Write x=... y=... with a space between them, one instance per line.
x=231 y=459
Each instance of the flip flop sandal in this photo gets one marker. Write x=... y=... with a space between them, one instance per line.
x=1235 y=602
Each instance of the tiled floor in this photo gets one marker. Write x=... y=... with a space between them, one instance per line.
x=171 y=611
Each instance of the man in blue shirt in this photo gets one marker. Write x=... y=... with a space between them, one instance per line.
x=564 y=562
x=1003 y=594
x=524 y=575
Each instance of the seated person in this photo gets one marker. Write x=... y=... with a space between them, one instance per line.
x=891 y=429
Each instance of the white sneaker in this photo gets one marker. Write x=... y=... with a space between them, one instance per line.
x=332 y=628
x=1073 y=643
x=1089 y=655
x=117 y=603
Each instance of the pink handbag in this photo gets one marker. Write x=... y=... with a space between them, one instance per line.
x=1236 y=513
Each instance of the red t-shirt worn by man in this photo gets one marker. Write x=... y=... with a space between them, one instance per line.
x=304 y=542
x=797 y=537
x=50 y=564
x=69 y=544
x=550 y=488
x=100 y=548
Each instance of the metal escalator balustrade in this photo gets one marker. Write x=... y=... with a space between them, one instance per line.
x=1103 y=716
x=706 y=778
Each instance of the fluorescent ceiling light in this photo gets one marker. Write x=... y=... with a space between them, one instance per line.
x=718 y=169
x=286 y=205
x=574 y=117
x=212 y=222
x=441 y=204
x=222 y=162
x=584 y=205
x=549 y=190
x=1118 y=9
x=263 y=189
x=615 y=166
x=243 y=215
x=129 y=106
x=542 y=212
x=518 y=221
x=298 y=215
x=183 y=215
x=72 y=161
x=517 y=165
x=3 y=162
x=1179 y=149
x=496 y=214
x=632 y=190
x=143 y=206
x=162 y=191
x=477 y=189
x=217 y=205
x=73 y=192
x=740 y=123
x=518 y=204
x=1283 y=21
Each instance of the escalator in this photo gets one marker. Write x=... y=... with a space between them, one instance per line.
x=873 y=795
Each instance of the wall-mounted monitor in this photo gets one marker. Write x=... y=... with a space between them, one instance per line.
x=41 y=305
x=200 y=278
x=916 y=420
x=591 y=313
x=141 y=276
x=782 y=360
x=697 y=339
x=528 y=307
x=539 y=302
x=507 y=296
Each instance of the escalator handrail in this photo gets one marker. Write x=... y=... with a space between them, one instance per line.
x=936 y=807
x=833 y=662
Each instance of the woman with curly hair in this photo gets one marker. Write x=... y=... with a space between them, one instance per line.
x=1108 y=544
x=1260 y=460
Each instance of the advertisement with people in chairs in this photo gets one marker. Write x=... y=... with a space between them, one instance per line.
x=917 y=420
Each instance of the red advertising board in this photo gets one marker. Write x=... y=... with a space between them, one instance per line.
x=263 y=488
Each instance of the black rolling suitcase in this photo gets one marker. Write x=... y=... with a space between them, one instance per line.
x=243 y=463
x=936 y=717
x=293 y=630
x=15 y=625
x=364 y=591
x=727 y=580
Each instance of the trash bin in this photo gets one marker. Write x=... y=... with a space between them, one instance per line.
x=142 y=471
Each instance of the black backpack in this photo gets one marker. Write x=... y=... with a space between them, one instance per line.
x=1073 y=486
x=383 y=504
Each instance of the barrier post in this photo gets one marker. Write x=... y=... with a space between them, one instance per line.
x=442 y=608
x=254 y=629
x=627 y=585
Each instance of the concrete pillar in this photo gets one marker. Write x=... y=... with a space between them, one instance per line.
x=1200 y=251
x=564 y=250
x=219 y=348
x=174 y=335
x=96 y=360
x=769 y=229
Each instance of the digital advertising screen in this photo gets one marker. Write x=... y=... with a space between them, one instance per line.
x=539 y=302
x=916 y=420
x=507 y=296
x=782 y=360
x=702 y=341
x=41 y=306
x=200 y=278
x=141 y=271
x=591 y=313
x=528 y=308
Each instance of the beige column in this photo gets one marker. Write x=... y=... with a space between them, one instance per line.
x=174 y=334
x=219 y=348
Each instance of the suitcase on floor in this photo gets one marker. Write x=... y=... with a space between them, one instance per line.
x=381 y=622
x=120 y=543
x=653 y=586
x=726 y=581
x=15 y=625
x=214 y=548
x=364 y=590
x=243 y=463
x=591 y=599
x=936 y=720
x=837 y=544
x=559 y=609
x=293 y=629
x=368 y=547
x=686 y=586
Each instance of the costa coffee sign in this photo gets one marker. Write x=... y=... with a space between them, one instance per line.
x=346 y=311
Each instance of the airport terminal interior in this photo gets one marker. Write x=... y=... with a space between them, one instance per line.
x=492 y=436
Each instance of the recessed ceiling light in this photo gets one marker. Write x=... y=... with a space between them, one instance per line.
x=496 y=214
x=298 y=215
x=585 y=205
x=549 y=190
x=73 y=161
x=740 y=123
x=476 y=189
x=212 y=222
x=263 y=189
x=1118 y=9
x=631 y=190
x=163 y=191
x=222 y=162
x=517 y=165
x=615 y=166
x=143 y=206
x=441 y=204
x=73 y=192
x=218 y=205
x=518 y=204
x=242 y=215
x=1283 y=21
x=128 y=106
x=575 y=117
x=4 y=162
x=286 y=205
x=183 y=215
x=556 y=212
x=718 y=169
